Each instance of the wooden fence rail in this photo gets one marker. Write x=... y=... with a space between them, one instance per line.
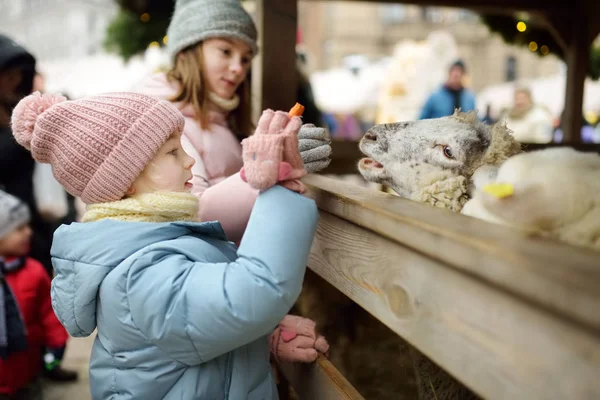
x=509 y=315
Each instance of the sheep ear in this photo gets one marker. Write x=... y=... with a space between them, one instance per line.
x=450 y=193
x=502 y=145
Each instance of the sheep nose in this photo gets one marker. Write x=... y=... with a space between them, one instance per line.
x=371 y=135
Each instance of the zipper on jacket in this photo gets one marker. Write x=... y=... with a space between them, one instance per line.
x=229 y=369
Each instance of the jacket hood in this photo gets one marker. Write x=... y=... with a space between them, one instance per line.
x=14 y=55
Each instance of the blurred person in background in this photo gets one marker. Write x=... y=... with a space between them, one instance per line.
x=27 y=322
x=529 y=122
x=17 y=72
x=450 y=96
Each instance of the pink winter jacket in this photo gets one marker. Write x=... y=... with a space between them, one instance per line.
x=224 y=197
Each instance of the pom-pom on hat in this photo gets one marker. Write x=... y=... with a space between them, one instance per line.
x=98 y=145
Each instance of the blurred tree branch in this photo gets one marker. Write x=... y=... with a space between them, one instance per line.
x=137 y=25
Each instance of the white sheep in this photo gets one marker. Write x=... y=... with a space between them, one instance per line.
x=555 y=192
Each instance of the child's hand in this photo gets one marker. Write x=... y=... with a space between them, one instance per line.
x=315 y=147
x=263 y=152
x=295 y=340
x=291 y=155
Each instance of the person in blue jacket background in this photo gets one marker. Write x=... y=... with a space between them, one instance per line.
x=450 y=96
x=180 y=312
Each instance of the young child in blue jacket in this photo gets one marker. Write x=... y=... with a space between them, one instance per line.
x=180 y=312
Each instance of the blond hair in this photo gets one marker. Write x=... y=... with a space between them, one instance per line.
x=187 y=72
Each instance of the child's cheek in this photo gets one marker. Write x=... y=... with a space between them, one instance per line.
x=23 y=247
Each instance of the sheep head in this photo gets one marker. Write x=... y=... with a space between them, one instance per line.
x=434 y=160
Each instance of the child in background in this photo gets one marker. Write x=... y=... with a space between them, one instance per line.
x=27 y=321
x=211 y=44
x=180 y=312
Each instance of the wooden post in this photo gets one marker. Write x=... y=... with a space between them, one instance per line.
x=274 y=78
x=578 y=59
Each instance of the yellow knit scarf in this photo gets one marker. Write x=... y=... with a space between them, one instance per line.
x=148 y=207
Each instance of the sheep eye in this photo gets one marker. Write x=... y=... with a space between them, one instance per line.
x=447 y=152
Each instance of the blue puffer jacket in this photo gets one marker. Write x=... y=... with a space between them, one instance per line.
x=180 y=314
x=441 y=103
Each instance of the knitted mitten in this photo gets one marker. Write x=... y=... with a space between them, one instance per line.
x=263 y=166
x=262 y=152
x=315 y=148
x=295 y=340
x=291 y=155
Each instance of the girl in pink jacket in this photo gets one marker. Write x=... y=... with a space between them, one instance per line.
x=211 y=44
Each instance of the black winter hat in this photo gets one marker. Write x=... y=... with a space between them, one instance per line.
x=14 y=55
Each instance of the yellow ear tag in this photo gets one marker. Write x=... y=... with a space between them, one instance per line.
x=499 y=190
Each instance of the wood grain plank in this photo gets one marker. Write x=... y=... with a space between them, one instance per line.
x=319 y=381
x=554 y=275
x=497 y=344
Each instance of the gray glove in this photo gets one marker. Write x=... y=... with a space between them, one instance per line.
x=315 y=148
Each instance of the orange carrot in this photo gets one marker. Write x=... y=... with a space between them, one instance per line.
x=297 y=110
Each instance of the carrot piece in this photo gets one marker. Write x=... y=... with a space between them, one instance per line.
x=297 y=110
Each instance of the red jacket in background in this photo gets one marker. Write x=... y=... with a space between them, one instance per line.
x=31 y=287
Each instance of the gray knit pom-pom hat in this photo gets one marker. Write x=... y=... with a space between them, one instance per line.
x=13 y=213
x=196 y=20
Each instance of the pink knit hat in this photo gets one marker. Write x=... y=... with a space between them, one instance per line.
x=98 y=145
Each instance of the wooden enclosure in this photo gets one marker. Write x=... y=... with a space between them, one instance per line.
x=510 y=316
